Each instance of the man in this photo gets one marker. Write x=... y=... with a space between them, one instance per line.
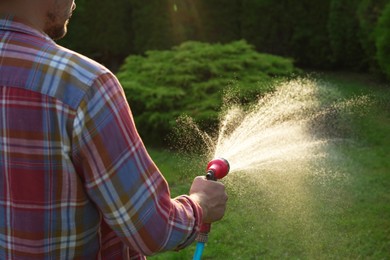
x=76 y=181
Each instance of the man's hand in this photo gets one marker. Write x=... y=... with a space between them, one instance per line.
x=211 y=196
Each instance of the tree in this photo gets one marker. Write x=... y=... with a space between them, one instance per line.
x=310 y=39
x=266 y=25
x=218 y=20
x=369 y=12
x=101 y=30
x=343 y=26
x=382 y=41
x=289 y=28
x=151 y=25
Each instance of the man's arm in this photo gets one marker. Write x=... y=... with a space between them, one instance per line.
x=121 y=178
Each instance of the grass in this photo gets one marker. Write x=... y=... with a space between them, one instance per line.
x=340 y=212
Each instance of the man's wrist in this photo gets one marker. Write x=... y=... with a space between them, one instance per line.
x=197 y=199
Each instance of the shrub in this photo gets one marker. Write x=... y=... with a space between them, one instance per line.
x=190 y=80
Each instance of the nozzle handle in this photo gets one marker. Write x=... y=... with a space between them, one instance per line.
x=203 y=233
x=216 y=169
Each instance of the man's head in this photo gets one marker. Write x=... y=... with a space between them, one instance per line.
x=48 y=16
x=57 y=18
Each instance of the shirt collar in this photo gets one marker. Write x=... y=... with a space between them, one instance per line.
x=11 y=23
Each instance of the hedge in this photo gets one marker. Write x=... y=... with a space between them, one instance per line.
x=192 y=79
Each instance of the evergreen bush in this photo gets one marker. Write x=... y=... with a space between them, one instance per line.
x=191 y=79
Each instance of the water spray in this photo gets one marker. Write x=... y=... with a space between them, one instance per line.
x=216 y=169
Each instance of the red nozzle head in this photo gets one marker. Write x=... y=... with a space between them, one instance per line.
x=217 y=169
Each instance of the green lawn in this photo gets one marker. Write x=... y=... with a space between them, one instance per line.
x=338 y=208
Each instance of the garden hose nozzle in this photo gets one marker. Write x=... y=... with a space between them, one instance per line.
x=216 y=169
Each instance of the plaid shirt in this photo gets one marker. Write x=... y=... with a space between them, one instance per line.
x=76 y=181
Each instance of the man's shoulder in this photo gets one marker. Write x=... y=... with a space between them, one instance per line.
x=83 y=67
x=33 y=61
x=75 y=74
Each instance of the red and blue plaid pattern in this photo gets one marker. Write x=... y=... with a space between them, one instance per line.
x=76 y=181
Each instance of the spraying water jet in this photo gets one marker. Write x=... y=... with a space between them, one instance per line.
x=282 y=144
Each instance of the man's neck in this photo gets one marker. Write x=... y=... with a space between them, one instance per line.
x=26 y=12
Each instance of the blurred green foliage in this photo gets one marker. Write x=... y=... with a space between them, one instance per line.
x=369 y=12
x=162 y=24
x=328 y=34
x=151 y=25
x=382 y=37
x=288 y=28
x=193 y=79
x=101 y=30
x=343 y=27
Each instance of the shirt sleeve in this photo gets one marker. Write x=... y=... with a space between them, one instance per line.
x=121 y=178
